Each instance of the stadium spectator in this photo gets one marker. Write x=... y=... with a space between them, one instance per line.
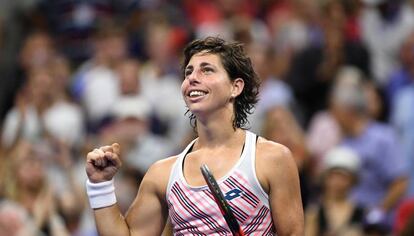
x=403 y=75
x=385 y=24
x=336 y=214
x=383 y=179
x=314 y=69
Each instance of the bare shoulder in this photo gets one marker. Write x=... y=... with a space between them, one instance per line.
x=273 y=153
x=159 y=173
x=273 y=160
x=162 y=166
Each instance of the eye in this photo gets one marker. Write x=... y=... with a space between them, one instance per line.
x=207 y=70
x=187 y=72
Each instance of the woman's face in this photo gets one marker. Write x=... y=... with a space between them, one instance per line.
x=338 y=182
x=207 y=86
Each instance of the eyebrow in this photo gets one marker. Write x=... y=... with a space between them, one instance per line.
x=189 y=67
x=202 y=64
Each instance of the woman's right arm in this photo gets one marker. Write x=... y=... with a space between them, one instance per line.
x=148 y=212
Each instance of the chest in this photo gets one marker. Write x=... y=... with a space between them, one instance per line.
x=196 y=206
x=221 y=162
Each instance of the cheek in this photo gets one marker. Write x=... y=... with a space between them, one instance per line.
x=184 y=86
x=338 y=182
x=221 y=88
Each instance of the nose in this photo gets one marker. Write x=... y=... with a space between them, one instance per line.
x=193 y=77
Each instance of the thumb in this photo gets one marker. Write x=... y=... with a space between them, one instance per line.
x=116 y=148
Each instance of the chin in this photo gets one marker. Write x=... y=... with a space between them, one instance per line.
x=198 y=110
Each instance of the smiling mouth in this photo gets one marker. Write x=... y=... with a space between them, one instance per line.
x=196 y=93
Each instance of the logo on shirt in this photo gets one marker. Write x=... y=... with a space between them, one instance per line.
x=232 y=194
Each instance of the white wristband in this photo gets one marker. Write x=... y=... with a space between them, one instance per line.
x=101 y=194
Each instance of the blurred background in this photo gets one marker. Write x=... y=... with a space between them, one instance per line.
x=337 y=89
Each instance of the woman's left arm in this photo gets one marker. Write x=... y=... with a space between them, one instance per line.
x=278 y=174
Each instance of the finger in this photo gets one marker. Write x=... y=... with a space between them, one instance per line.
x=116 y=148
x=99 y=152
x=101 y=162
x=92 y=156
x=114 y=159
x=106 y=148
x=96 y=159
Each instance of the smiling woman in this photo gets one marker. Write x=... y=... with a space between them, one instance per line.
x=231 y=59
x=258 y=177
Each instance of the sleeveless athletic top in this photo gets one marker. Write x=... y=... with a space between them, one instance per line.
x=193 y=211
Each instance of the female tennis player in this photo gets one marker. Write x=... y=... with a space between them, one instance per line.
x=258 y=177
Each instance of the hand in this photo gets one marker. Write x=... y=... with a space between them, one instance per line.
x=11 y=221
x=103 y=163
x=44 y=207
x=375 y=216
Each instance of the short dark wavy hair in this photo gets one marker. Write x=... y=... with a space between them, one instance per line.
x=237 y=65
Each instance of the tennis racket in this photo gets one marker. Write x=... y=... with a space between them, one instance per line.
x=221 y=202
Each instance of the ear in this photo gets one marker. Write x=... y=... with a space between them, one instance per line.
x=237 y=88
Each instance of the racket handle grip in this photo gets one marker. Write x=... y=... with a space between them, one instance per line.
x=240 y=233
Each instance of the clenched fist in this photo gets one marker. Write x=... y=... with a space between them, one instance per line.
x=103 y=163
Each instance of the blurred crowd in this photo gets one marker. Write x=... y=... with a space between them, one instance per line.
x=337 y=88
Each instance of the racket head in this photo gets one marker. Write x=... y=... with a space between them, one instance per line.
x=221 y=201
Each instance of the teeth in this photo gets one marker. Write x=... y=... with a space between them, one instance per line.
x=196 y=93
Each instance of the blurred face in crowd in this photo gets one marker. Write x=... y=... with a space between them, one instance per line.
x=110 y=46
x=40 y=84
x=61 y=71
x=338 y=182
x=374 y=102
x=335 y=13
x=257 y=54
x=348 y=105
x=36 y=51
x=206 y=85
x=229 y=7
x=158 y=44
x=29 y=167
x=342 y=115
x=116 y=47
x=280 y=127
x=127 y=72
x=334 y=39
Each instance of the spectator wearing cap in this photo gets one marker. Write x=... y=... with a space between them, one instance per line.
x=337 y=214
x=383 y=179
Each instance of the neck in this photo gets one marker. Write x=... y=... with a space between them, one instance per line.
x=358 y=126
x=27 y=196
x=216 y=130
x=335 y=198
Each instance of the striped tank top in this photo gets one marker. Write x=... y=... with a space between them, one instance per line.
x=193 y=211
